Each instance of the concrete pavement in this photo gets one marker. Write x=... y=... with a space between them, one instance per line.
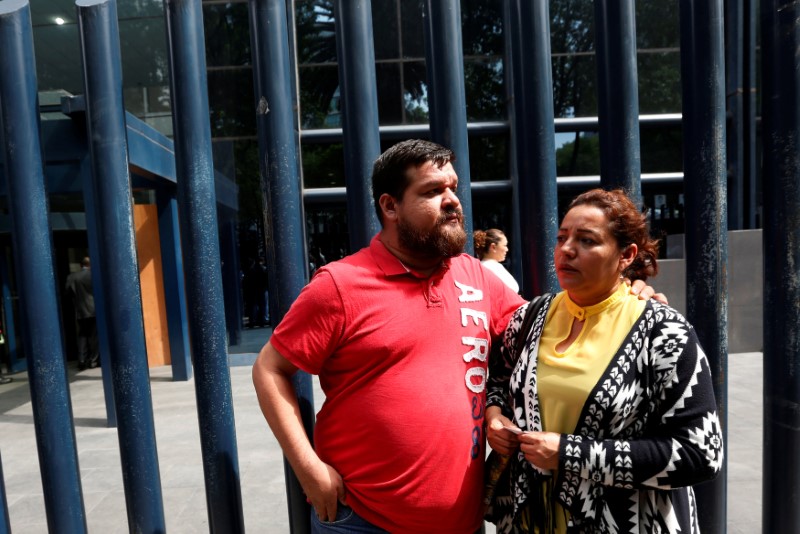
x=260 y=459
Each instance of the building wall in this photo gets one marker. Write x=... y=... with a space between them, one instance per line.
x=745 y=287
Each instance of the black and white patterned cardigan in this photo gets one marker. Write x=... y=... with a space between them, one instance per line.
x=648 y=431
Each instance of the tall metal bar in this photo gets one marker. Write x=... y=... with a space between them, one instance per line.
x=200 y=240
x=174 y=287
x=5 y=519
x=734 y=80
x=447 y=99
x=528 y=22
x=359 y=98
x=750 y=111
x=282 y=200
x=33 y=256
x=101 y=317
x=618 y=96
x=105 y=117
x=703 y=96
x=780 y=53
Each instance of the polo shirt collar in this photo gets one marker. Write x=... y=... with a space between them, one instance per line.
x=391 y=264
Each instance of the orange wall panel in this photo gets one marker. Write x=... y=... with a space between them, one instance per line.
x=148 y=250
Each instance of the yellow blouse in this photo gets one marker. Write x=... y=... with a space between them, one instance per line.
x=565 y=379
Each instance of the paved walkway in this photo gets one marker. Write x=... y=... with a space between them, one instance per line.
x=260 y=460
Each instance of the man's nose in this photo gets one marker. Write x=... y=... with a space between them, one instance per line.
x=451 y=198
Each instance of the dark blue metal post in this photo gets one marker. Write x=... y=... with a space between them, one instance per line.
x=533 y=127
x=734 y=66
x=618 y=96
x=198 y=217
x=447 y=100
x=108 y=147
x=780 y=53
x=750 y=161
x=5 y=519
x=100 y=306
x=33 y=254
x=704 y=167
x=359 y=97
x=283 y=206
x=174 y=288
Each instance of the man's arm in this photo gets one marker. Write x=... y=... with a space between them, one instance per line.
x=272 y=377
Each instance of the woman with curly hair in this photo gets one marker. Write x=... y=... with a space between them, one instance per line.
x=606 y=409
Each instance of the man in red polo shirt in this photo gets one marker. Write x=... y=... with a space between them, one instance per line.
x=399 y=334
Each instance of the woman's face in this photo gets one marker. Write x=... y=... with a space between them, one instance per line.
x=587 y=258
x=500 y=249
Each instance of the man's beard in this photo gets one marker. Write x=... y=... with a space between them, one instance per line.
x=443 y=241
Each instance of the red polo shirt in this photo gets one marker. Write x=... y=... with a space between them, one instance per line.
x=402 y=361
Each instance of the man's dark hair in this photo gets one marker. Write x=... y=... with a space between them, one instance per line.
x=389 y=171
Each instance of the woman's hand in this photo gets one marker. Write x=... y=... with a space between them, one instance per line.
x=500 y=439
x=540 y=448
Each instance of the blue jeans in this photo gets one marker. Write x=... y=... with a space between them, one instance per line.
x=346 y=522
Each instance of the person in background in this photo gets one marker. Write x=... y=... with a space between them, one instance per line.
x=608 y=413
x=79 y=290
x=491 y=247
x=399 y=334
x=255 y=285
x=4 y=379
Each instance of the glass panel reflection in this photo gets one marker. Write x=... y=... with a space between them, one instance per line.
x=659 y=82
x=488 y=158
x=319 y=97
x=323 y=165
x=227 y=34
x=579 y=155
x=482 y=27
x=231 y=111
x=484 y=90
x=384 y=29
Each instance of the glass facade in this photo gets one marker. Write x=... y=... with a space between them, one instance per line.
x=401 y=82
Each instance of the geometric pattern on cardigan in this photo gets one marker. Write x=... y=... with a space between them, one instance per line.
x=648 y=431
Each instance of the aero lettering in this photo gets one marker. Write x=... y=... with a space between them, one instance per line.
x=475 y=376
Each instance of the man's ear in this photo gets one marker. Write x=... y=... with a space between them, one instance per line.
x=388 y=206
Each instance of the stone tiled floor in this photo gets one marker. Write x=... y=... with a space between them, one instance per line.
x=260 y=460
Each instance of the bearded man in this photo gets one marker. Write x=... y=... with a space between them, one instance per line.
x=399 y=334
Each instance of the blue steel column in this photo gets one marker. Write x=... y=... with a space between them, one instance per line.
x=618 y=96
x=444 y=54
x=533 y=128
x=98 y=289
x=174 y=287
x=105 y=117
x=780 y=53
x=359 y=97
x=200 y=239
x=704 y=167
x=283 y=206
x=750 y=111
x=33 y=255
x=734 y=62
x=5 y=520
